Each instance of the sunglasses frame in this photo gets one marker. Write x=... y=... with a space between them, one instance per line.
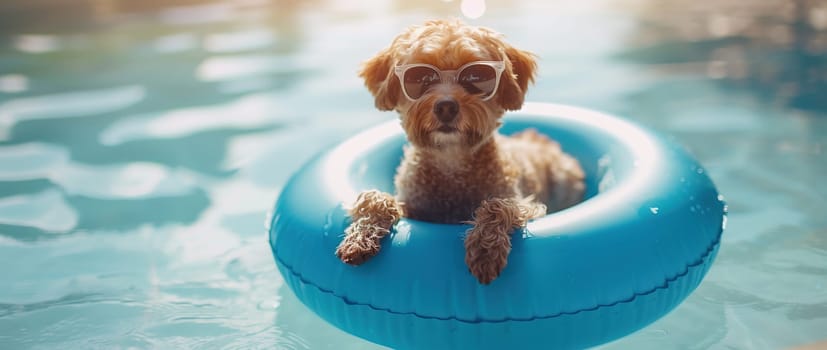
x=450 y=75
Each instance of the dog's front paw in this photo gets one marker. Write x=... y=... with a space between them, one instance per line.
x=486 y=256
x=362 y=241
x=355 y=253
x=486 y=270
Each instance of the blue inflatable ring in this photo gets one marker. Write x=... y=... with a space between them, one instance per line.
x=631 y=252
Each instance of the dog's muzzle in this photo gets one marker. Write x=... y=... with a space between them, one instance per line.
x=446 y=110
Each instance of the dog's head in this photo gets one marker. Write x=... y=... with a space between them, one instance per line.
x=449 y=81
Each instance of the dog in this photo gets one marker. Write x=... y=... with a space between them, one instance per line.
x=451 y=84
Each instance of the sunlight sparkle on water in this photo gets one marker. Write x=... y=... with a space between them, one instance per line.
x=472 y=8
x=232 y=67
x=13 y=83
x=36 y=43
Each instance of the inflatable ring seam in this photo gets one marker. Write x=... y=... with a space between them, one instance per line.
x=665 y=284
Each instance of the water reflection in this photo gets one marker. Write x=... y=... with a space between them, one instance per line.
x=253 y=111
x=776 y=49
x=46 y=211
x=66 y=105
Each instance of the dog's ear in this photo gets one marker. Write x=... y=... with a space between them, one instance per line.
x=520 y=68
x=381 y=81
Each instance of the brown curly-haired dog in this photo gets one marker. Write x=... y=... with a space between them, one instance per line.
x=457 y=168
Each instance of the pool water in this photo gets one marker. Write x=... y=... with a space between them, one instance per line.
x=143 y=143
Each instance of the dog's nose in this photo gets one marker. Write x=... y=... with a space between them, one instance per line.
x=446 y=110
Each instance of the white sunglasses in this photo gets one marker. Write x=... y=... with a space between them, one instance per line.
x=480 y=77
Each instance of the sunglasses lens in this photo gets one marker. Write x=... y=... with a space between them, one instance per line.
x=478 y=79
x=417 y=80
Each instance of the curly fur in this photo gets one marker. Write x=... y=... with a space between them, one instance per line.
x=472 y=174
x=373 y=215
x=488 y=242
